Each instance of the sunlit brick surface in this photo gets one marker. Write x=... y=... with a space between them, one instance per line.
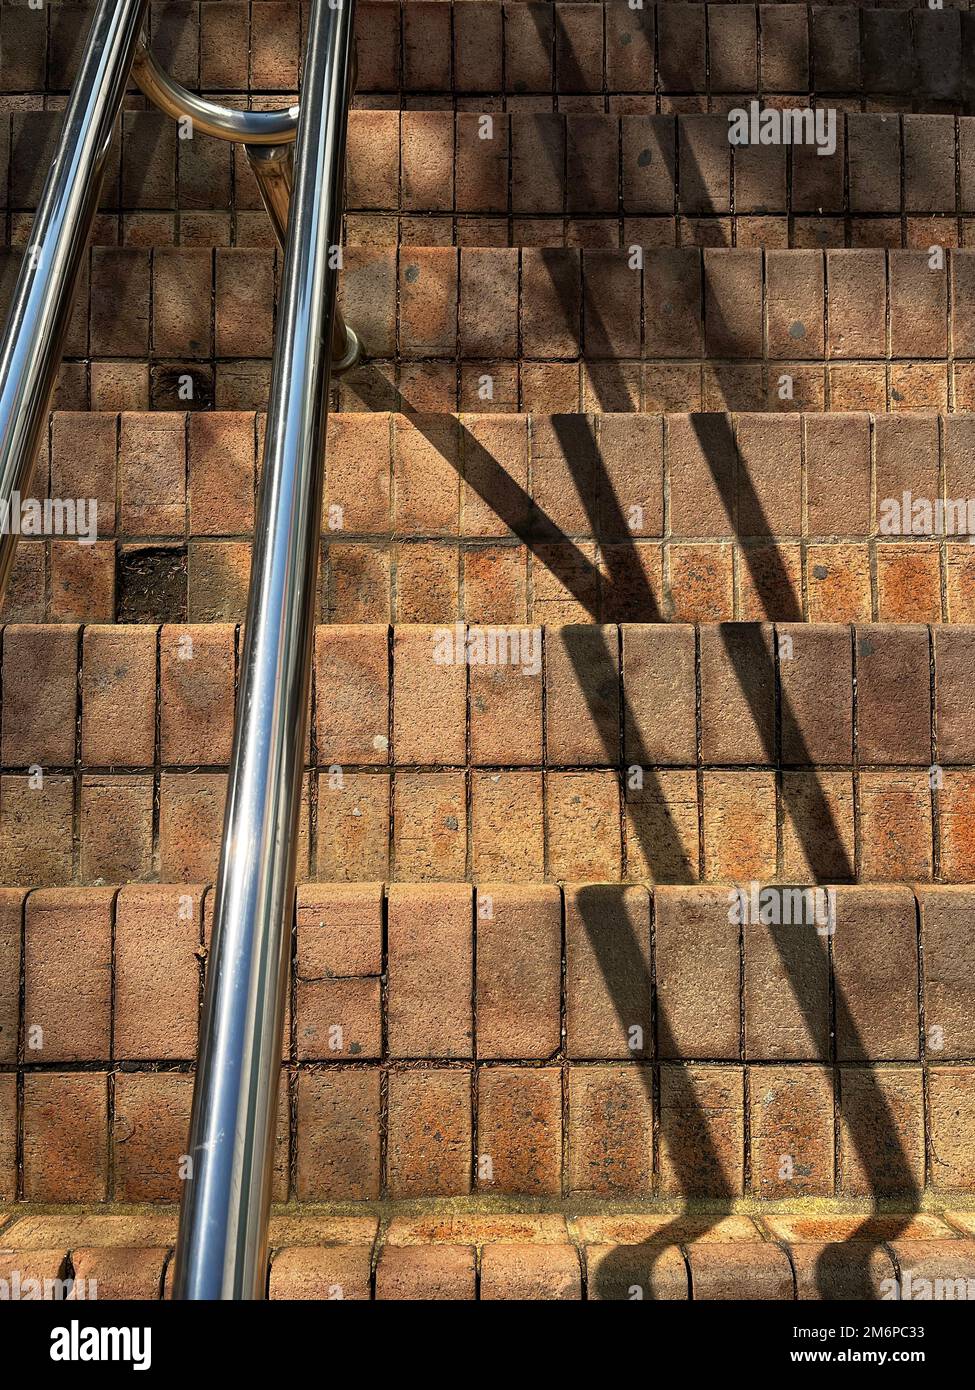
x=543 y=1069
x=499 y=518
x=635 y=844
x=465 y=1254
x=646 y=753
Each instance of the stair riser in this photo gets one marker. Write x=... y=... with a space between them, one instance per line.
x=609 y=176
x=439 y=581
x=651 y=167
x=517 y=48
x=581 y=1086
x=609 y=517
x=547 y=330
x=736 y=760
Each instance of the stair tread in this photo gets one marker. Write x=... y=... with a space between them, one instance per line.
x=466 y=1253
x=490 y=1221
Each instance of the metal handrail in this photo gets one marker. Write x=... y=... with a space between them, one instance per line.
x=273 y=167
x=222 y=1248
x=267 y=138
x=223 y=122
x=37 y=324
x=34 y=335
x=223 y=1229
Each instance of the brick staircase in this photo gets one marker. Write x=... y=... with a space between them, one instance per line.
x=636 y=402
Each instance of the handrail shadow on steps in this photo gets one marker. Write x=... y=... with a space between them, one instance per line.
x=884 y=1159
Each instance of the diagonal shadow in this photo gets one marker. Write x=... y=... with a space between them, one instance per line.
x=716 y=441
x=891 y=1173
x=816 y=826
x=513 y=505
x=622 y=958
x=894 y=1173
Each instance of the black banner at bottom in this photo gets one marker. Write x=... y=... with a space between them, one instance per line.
x=146 y=1339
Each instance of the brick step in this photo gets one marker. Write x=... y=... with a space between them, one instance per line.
x=647 y=753
x=546 y=330
x=604 y=180
x=557 y=163
x=667 y=50
x=581 y=178
x=430 y=177
x=510 y=1040
x=515 y=518
x=466 y=1253
x=230 y=52
x=481 y=46
x=711 y=329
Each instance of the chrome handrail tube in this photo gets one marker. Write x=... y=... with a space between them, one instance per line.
x=223 y=122
x=38 y=321
x=222 y=1249
x=268 y=141
x=273 y=170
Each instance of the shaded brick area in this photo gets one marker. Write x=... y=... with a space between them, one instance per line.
x=464 y=1254
x=535 y=178
x=711 y=329
x=646 y=753
x=409 y=1072
x=500 y=518
x=588 y=51
x=198 y=195
x=582 y=178
x=159 y=190
x=514 y=48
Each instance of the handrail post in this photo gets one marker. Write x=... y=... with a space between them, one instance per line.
x=273 y=170
x=38 y=321
x=222 y=1251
